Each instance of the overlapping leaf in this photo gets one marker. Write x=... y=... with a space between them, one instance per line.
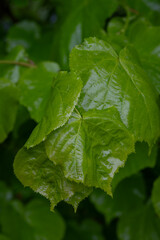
x=112 y=80
x=156 y=196
x=136 y=161
x=148 y=50
x=33 y=169
x=78 y=20
x=128 y=195
x=64 y=93
x=139 y=224
x=35 y=87
x=8 y=107
x=91 y=147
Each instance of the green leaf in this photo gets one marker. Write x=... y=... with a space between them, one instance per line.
x=35 y=88
x=13 y=223
x=112 y=80
x=8 y=107
x=148 y=50
x=64 y=94
x=129 y=194
x=78 y=20
x=33 y=169
x=148 y=8
x=23 y=33
x=3 y=237
x=139 y=224
x=5 y=194
x=34 y=221
x=156 y=196
x=12 y=71
x=91 y=147
x=46 y=224
x=86 y=230
x=136 y=161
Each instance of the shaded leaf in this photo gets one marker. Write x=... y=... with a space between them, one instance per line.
x=129 y=194
x=139 y=224
x=87 y=230
x=136 y=161
x=35 y=88
x=8 y=107
x=24 y=34
x=78 y=20
x=156 y=196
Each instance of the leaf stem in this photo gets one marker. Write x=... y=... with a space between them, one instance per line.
x=23 y=64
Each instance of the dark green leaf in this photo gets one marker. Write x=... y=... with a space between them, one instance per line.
x=87 y=230
x=139 y=224
x=78 y=20
x=148 y=50
x=136 y=161
x=24 y=33
x=35 y=88
x=8 y=107
x=12 y=71
x=129 y=194
x=156 y=196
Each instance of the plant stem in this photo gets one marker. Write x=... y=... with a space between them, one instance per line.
x=23 y=64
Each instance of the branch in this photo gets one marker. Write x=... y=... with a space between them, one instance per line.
x=23 y=64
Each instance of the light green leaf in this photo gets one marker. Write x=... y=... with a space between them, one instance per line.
x=78 y=20
x=129 y=194
x=33 y=169
x=139 y=224
x=8 y=107
x=156 y=196
x=91 y=147
x=35 y=87
x=136 y=161
x=112 y=80
x=64 y=94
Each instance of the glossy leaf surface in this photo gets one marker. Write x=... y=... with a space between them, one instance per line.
x=91 y=147
x=112 y=80
x=64 y=94
x=33 y=169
